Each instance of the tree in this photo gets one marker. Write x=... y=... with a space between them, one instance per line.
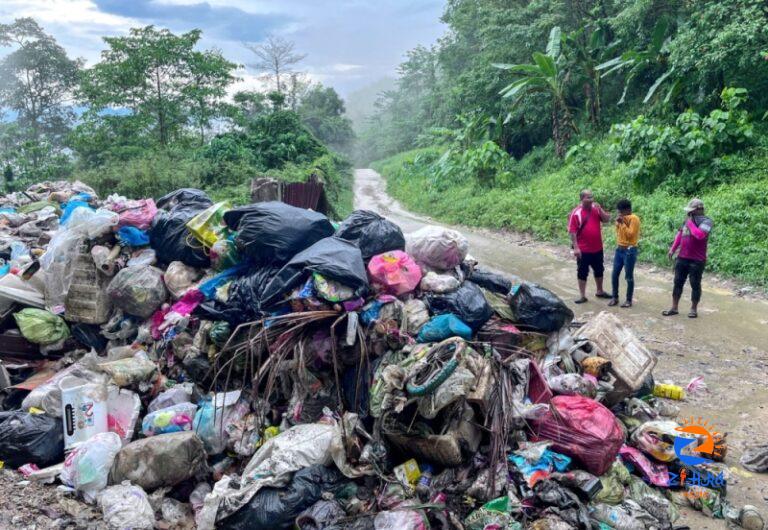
x=159 y=79
x=36 y=82
x=322 y=111
x=275 y=58
x=546 y=75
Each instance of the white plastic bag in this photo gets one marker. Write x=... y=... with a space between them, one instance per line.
x=439 y=283
x=87 y=467
x=436 y=247
x=215 y=412
x=126 y=506
x=181 y=393
x=124 y=409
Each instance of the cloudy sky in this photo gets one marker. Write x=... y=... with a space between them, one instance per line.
x=349 y=42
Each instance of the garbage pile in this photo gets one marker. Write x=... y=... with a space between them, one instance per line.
x=262 y=367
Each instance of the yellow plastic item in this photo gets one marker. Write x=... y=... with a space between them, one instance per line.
x=270 y=432
x=669 y=391
x=209 y=224
x=35 y=410
x=408 y=472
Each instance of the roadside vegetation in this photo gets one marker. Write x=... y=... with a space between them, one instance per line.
x=519 y=107
x=156 y=113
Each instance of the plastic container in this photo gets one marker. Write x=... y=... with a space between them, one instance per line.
x=669 y=391
x=87 y=300
x=84 y=408
x=631 y=362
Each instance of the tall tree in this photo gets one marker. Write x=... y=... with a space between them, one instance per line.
x=37 y=79
x=276 y=58
x=322 y=111
x=160 y=79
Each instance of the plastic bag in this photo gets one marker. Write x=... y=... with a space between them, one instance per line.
x=175 y=395
x=333 y=258
x=538 y=308
x=170 y=236
x=208 y=226
x=142 y=258
x=30 y=439
x=138 y=291
x=175 y=418
x=123 y=410
x=496 y=283
x=442 y=327
x=439 y=283
x=372 y=233
x=467 y=302
x=87 y=467
x=138 y=214
x=130 y=371
x=656 y=473
x=320 y=515
x=91 y=223
x=220 y=409
x=403 y=519
x=179 y=277
x=278 y=508
x=160 y=460
x=126 y=507
x=275 y=232
x=613 y=482
x=436 y=247
x=40 y=326
x=394 y=272
x=47 y=396
x=130 y=236
x=416 y=314
x=584 y=429
x=331 y=290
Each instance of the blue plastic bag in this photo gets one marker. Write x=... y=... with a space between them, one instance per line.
x=133 y=237
x=442 y=327
x=208 y=287
x=70 y=207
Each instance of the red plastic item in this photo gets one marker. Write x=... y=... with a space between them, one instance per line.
x=583 y=429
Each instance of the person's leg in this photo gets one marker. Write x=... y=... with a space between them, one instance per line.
x=582 y=271
x=694 y=276
x=598 y=268
x=618 y=264
x=681 y=275
x=629 y=274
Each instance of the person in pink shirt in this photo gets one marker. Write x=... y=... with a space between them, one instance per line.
x=691 y=242
x=585 y=229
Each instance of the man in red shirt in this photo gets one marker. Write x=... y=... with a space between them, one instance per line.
x=584 y=226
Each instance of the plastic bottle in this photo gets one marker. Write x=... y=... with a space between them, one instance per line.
x=669 y=391
x=425 y=481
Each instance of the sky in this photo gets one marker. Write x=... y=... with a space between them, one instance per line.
x=349 y=43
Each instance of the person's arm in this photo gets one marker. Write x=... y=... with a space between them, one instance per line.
x=630 y=228
x=575 y=245
x=573 y=227
x=676 y=243
x=604 y=216
x=696 y=232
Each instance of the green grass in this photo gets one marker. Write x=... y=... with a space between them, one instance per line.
x=538 y=193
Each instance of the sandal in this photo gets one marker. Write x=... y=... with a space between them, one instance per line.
x=613 y=302
x=603 y=295
x=580 y=300
x=626 y=304
x=693 y=314
x=670 y=312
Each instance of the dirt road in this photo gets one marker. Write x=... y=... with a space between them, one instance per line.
x=727 y=344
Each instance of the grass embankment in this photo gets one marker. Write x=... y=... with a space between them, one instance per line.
x=538 y=194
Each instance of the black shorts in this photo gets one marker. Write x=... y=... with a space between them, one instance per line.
x=587 y=260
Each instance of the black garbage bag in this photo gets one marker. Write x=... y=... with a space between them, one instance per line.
x=372 y=233
x=467 y=302
x=538 y=308
x=89 y=335
x=277 y=508
x=169 y=236
x=273 y=232
x=320 y=515
x=30 y=439
x=245 y=293
x=334 y=258
x=567 y=504
x=185 y=197
x=496 y=283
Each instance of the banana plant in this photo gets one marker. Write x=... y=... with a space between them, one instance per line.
x=636 y=62
x=547 y=74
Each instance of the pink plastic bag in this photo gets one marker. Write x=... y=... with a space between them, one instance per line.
x=582 y=428
x=138 y=213
x=394 y=272
x=657 y=474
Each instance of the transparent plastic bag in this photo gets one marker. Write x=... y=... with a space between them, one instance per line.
x=126 y=506
x=87 y=467
x=175 y=418
x=138 y=291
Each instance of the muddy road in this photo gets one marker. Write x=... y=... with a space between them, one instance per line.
x=727 y=344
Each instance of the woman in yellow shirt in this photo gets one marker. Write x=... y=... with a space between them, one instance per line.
x=627 y=236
